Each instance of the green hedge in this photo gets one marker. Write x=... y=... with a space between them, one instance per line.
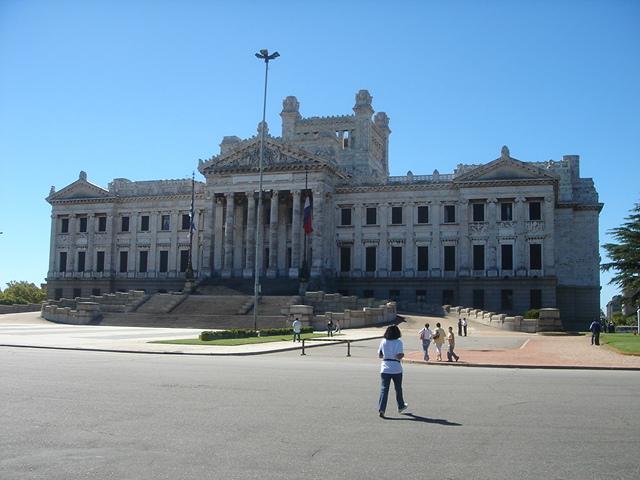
x=533 y=313
x=246 y=333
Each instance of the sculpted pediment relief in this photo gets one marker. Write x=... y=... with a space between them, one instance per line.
x=504 y=168
x=79 y=189
x=275 y=154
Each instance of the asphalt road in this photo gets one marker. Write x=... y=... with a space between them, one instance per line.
x=87 y=415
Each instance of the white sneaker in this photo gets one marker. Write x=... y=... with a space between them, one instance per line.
x=400 y=410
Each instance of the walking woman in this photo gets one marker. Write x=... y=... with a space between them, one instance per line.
x=438 y=339
x=391 y=351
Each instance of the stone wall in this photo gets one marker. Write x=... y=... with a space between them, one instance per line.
x=84 y=310
x=549 y=320
x=18 y=308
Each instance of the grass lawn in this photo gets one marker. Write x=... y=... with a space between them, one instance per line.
x=239 y=341
x=623 y=342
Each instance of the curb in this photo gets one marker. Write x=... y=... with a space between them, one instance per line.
x=524 y=367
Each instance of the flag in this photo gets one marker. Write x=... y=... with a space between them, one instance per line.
x=308 y=214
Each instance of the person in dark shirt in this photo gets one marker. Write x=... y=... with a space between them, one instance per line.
x=595 y=328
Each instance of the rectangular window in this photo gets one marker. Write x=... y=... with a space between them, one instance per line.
x=165 y=223
x=164 y=261
x=82 y=228
x=102 y=223
x=57 y=294
x=64 y=225
x=77 y=292
x=124 y=224
x=478 y=212
x=421 y=296
x=447 y=297
x=289 y=216
x=81 y=258
x=367 y=294
x=478 y=298
x=423 y=214
x=266 y=215
x=535 y=298
x=186 y=221
x=423 y=259
x=394 y=295
x=142 y=261
x=99 y=261
x=478 y=257
x=506 y=300
x=396 y=259
x=62 y=262
x=345 y=259
x=266 y=258
x=95 y=292
x=396 y=215
x=288 y=263
x=372 y=215
x=449 y=258
x=535 y=211
x=506 y=211
x=184 y=260
x=124 y=262
x=370 y=259
x=144 y=223
x=535 y=256
x=449 y=214
x=345 y=216
x=506 y=251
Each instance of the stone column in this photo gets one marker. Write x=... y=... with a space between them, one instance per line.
x=153 y=266
x=133 y=245
x=358 y=248
x=250 y=236
x=206 y=231
x=520 y=256
x=409 y=242
x=228 y=235
x=71 y=256
x=465 y=242
x=548 y=246
x=296 y=222
x=110 y=254
x=492 y=239
x=272 y=271
x=435 y=250
x=174 y=249
x=383 y=262
x=218 y=235
x=318 y=234
x=52 y=245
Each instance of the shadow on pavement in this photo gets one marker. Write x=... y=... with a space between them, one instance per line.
x=417 y=418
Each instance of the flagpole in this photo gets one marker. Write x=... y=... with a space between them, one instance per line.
x=189 y=272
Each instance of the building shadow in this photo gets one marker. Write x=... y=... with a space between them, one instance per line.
x=417 y=418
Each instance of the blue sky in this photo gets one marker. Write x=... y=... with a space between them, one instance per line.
x=142 y=90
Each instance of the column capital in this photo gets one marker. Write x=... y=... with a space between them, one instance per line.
x=296 y=192
x=520 y=199
x=492 y=200
x=229 y=194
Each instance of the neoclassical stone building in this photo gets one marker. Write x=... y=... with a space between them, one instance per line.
x=505 y=235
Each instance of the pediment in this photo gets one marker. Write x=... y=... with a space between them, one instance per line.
x=80 y=189
x=504 y=168
x=276 y=154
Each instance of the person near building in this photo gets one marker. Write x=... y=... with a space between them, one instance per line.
x=336 y=328
x=425 y=337
x=459 y=326
x=297 y=328
x=595 y=328
x=464 y=326
x=438 y=339
x=330 y=328
x=452 y=344
x=391 y=352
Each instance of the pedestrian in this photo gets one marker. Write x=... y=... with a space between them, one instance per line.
x=330 y=328
x=297 y=327
x=425 y=337
x=391 y=351
x=464 y=326
x=337 y=328
x=459 y=326
x=452 y=344
x=438 y=340
x=612 y=327
x=595 y=329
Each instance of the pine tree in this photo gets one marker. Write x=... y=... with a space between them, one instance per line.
x=625 y=256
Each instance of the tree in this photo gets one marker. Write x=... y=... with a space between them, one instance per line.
x=22 y=292
x=625 y=256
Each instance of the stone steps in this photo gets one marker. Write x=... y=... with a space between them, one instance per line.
x=213 y=304
x=172 y=320
x=160 y=303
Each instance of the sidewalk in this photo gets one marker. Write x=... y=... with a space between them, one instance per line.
x=484 y=347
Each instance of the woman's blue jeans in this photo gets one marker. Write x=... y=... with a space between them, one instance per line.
x=384 y=390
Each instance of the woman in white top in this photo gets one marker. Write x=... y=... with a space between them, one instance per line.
x=426 y=334
x=391 y=351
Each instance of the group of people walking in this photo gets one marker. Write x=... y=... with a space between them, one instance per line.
x=438 y=337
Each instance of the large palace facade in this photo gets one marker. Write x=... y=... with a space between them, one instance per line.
x=505 y=235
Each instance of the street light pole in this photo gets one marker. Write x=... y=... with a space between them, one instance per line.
x=263 y=55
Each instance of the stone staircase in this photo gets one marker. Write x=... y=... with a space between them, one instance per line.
x=204 y=322
x=274 y=304
x=213 y=305
x=161 y=303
